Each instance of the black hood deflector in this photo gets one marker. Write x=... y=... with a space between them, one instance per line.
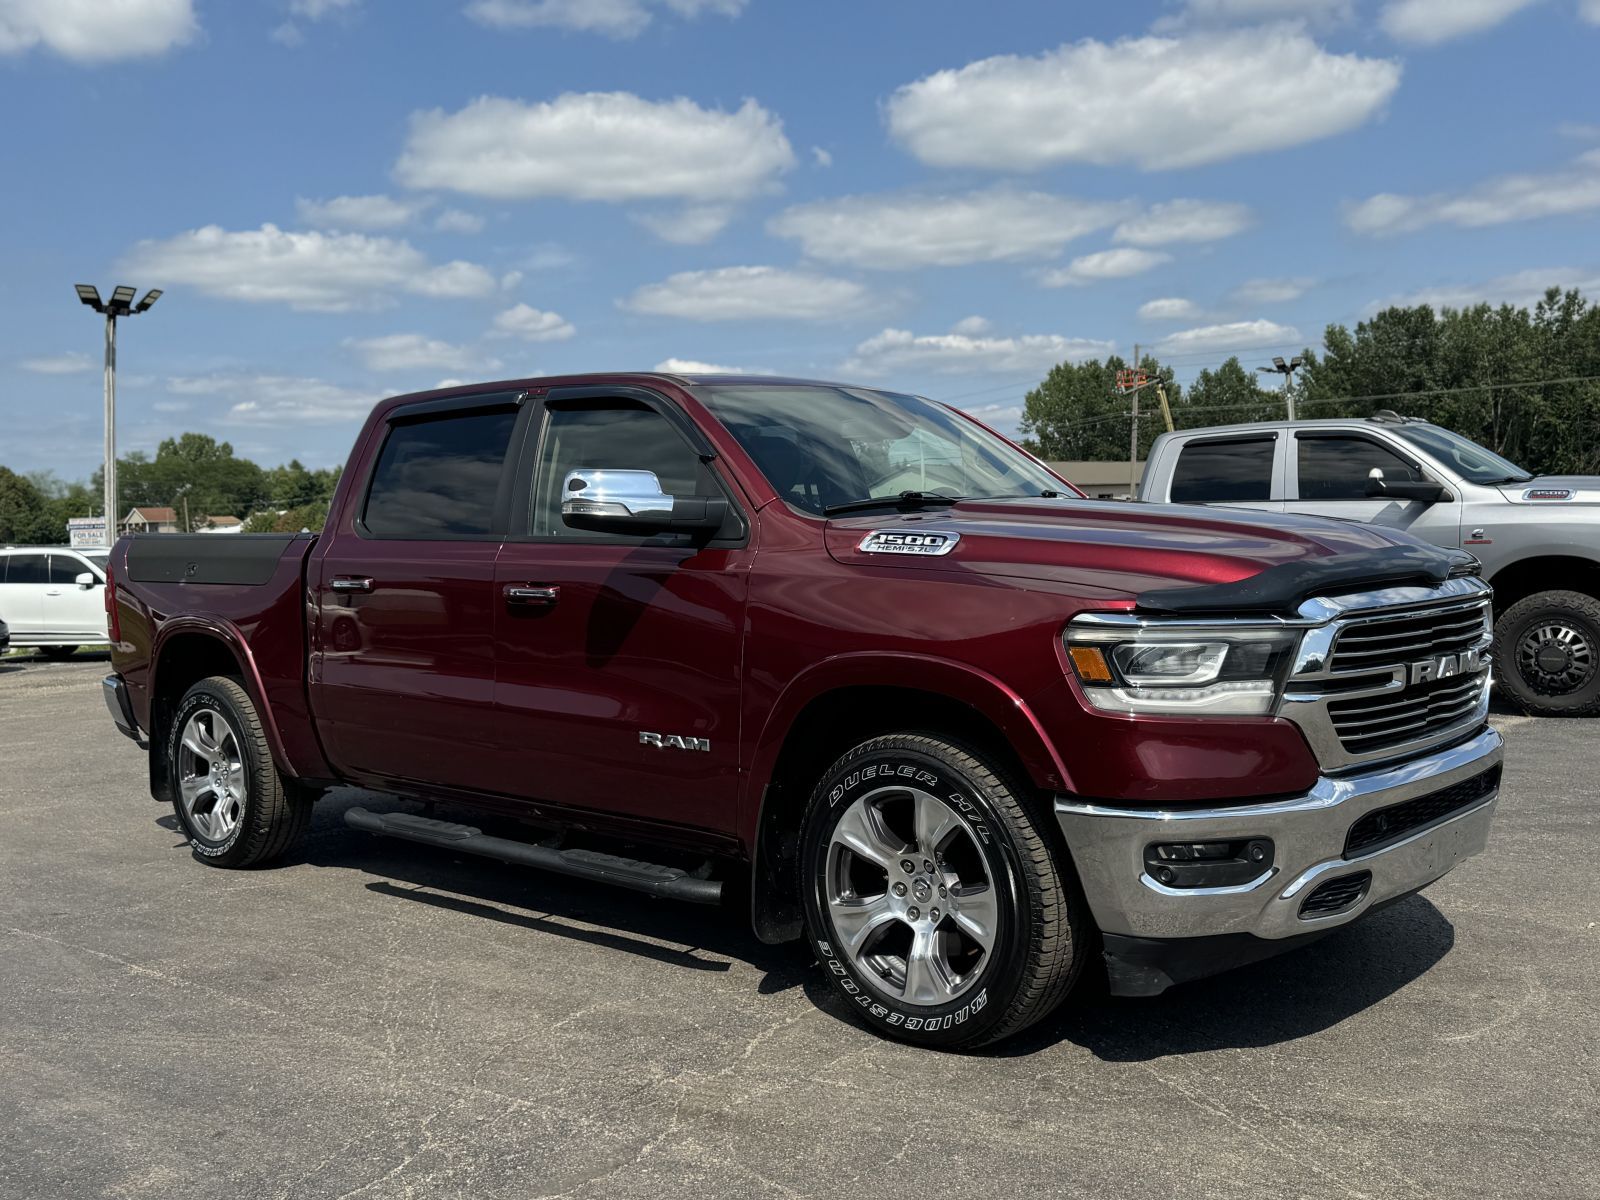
x=1281 y=589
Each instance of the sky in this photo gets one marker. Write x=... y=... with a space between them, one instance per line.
x=348 y=199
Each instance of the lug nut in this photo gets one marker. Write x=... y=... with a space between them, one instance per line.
x=927 y=867
x=899 y=889
x=907 y=865
x=913 y=912
x=943 y=891
x=933 y=914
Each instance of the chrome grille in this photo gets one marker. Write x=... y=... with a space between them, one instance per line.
x=1386 y=674
x=1381 y=643
x=1393 y=719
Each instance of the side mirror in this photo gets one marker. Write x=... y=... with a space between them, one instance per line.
x=632 y=502
x=86 y=580
x=1424 y=490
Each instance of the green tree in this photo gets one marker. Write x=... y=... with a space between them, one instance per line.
x=1226 y=395
x=1077 y=414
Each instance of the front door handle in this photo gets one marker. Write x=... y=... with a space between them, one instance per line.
x=351 y=583
x=533 y=594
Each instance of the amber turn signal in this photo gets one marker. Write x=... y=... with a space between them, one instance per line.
x=1090 y=664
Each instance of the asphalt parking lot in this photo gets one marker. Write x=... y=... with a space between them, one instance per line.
x=377 y=1019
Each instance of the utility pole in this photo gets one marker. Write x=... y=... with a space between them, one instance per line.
x=1133 y=432
x=1287 y=370
x=120 y=305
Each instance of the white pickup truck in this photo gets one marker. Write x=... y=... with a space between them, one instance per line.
x=1538 y=537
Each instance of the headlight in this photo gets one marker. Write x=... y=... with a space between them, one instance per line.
x=1179 y=670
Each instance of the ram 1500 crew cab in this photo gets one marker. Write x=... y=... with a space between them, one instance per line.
x=841 y=650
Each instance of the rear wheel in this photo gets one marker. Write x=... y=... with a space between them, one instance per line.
x=935 y=904
x=57 y=652
x=231 y=800
x=1547 y=654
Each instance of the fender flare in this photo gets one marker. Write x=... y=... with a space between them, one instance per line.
x=229 y=636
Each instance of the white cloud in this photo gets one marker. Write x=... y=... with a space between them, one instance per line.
x=751 y=293
x=1237 y=335
x=317 y=10
x=596 y=146
x=962 y=353
x=1521 y=288
x=454 y=220
x=94 y=31
x=359 y=212
x=322 y=272
x=1428 y=22
x=972 y=325
x=1589 y=10
x=823 y=159
x=530 y=324
x=1520 y=197
x=610 y=18
x=277 y=399
x=414 y=351
x=1121 y=263
x=1185 y=221
x=1272 y=291
x=1156 y=102
x=70 y=363
x=693 y=225
x=692 y=366
x=1169 y=308
x=914 y=230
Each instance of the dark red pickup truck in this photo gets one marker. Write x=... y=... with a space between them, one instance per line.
x=841 y=650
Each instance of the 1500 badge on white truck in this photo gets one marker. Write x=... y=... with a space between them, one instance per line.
x=1537 y=537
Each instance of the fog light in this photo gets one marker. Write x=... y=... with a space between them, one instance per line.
x=1208 y=864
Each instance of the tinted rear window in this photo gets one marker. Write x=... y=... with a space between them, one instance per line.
x=27 y=568
x=439 y=478
x=1224 y=472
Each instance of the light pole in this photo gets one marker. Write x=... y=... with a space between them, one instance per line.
x=120 y=305
x=1287 y=370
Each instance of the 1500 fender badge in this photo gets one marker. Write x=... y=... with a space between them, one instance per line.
x=930 y=542
x=1547 y=494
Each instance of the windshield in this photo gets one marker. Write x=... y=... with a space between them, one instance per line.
x=824 y=446
x=1470 y=460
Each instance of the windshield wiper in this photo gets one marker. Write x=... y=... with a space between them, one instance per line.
x=1508 y=479
x=903 y=500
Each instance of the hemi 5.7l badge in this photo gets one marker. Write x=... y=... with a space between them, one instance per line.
x=931 y=542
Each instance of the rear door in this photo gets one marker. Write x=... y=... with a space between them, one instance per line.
x=1240 y=470
x=24 y=578
x=403 y=600
x=619 y=690
x=1328 y=478
x=70 y=607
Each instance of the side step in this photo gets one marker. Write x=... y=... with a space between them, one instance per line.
x=650 y=878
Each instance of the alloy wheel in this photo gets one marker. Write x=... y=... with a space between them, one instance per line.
x=211 y=781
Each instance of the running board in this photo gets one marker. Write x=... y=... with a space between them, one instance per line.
x=651 y=878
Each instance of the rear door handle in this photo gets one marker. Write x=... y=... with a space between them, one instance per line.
x=351 y=583
x=539 y=595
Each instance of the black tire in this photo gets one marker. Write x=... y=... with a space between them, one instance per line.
x=1043 y=934
x=274 y=811
x=57 y=653
x=1544 y=675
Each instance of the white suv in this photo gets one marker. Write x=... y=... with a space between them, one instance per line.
x=53 y=597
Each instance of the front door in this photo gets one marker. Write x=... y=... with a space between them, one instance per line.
x=403 y=598
x=1330 y=480
x=618 y=656
x=69 y=607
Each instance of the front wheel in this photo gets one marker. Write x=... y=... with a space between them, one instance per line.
x=1547 y=654
x=234 y=806
x=936 y=906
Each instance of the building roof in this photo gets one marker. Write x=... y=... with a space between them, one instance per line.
x=1095 y=474
x=219 y=522
x=152 y=516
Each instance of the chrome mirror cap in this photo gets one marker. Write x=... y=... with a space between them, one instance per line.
x=596 y=492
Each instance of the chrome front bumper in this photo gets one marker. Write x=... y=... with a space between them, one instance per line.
x=1308 y=834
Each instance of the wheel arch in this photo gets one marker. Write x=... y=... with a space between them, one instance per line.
x=188 y=651
x=1536 y=573
x=839 y=704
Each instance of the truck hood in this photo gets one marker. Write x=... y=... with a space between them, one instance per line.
x=1554 y=489
x=1130 y=549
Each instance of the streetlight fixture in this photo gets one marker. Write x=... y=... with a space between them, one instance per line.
x=120 y=305
x=1287 y=370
